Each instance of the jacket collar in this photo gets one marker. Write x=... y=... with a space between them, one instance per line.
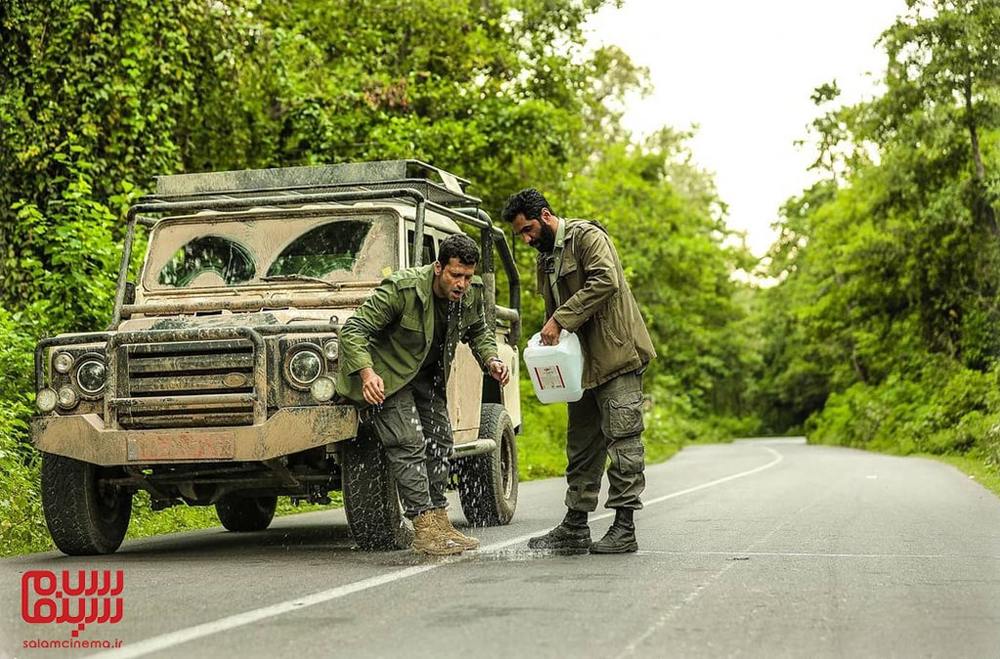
x=425 y=289
x=560 y=235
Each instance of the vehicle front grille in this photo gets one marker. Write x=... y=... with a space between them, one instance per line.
x=184 y=376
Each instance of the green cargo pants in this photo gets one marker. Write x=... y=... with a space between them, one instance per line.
x=414 y=427
x=606 y=423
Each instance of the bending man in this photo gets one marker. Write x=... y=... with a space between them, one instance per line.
x=396 y=354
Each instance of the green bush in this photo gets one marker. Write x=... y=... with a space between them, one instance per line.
x=946 y=410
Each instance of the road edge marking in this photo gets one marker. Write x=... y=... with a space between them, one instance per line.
x=171 y=639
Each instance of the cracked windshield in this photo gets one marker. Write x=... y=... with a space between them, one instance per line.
x=238 y=253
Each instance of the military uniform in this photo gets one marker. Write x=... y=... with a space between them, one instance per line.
x=584 y=288
x=408 y=336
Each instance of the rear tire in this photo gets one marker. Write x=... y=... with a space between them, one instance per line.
x=487 y=484
x=246 y=514
x=371 y=500
x=84 y=517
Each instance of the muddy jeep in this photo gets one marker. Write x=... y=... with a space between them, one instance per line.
x=214 y=384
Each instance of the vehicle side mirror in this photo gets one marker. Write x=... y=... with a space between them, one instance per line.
x=129 y=293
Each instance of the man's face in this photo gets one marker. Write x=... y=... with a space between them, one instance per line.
x=536 y=232
x=453 y=279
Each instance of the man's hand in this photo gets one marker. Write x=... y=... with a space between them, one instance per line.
x=499 y=371
x=372 y=387
x=550 y=333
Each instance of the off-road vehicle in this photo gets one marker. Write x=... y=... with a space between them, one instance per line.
x=214 y=384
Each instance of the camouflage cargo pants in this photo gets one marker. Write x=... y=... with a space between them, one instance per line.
x=414 y=427
x=606 y=423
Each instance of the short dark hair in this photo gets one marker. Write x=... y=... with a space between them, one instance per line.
x=529 y=201
x=458 y=246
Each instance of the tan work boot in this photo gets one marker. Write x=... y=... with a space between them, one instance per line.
x=429 y=538
x=453 y=534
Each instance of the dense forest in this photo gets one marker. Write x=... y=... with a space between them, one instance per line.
x=881 y=328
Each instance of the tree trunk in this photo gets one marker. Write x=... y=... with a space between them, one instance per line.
x=982 y=209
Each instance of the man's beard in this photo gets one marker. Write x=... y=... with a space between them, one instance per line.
x=546 y=241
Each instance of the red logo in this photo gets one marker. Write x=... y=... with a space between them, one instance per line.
x=84 y=598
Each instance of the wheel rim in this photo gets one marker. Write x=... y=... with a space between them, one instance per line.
x=507 y=466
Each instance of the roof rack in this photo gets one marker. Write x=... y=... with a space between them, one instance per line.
x=434 y=184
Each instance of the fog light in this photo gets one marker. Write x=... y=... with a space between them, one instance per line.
x=63 y=362
x=46 y=400
x=331 y=349
x=67 y=398
x=322 y=389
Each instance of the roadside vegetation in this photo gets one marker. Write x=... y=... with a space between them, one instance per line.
x=881 y=332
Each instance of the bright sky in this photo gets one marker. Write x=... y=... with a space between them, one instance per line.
x=744 y=71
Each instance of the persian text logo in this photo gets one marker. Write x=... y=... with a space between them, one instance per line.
x=81 y=599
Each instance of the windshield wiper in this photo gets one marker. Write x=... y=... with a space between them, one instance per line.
x=297 y=277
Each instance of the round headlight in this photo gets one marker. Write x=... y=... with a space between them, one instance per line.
x=322 y=389
x=46 y=400
x=63 y=362
x=331 y=349
x=67 y=398
x=304 y=367
x=90 y=376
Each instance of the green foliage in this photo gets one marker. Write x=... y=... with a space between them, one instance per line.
x=21 y=526
x=944 y=410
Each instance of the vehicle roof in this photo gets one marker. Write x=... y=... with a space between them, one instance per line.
x=406 y=210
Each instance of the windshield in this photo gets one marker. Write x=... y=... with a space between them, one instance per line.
x=323 y=250
x=204 y=252
x=209 y=254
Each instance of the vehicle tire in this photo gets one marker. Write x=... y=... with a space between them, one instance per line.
x=371 y=500
x=245 y=514
x=84 y=517
x=487 y=484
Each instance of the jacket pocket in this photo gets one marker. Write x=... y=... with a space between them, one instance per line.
x=608 y=327
x=624 y=417
x=411 y=333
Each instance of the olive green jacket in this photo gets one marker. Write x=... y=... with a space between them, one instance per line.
x=392 y=332
x=597 y=304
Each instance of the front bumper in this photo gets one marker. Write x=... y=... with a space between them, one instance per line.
x=289 y=430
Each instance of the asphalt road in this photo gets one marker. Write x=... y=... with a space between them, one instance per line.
x=758 y=548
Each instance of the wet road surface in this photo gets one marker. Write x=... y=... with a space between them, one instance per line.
x=757 y=548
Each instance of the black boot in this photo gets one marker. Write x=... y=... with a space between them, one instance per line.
x=572 y=533
x=620 y=538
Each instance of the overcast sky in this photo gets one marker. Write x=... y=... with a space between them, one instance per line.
x=744 y=71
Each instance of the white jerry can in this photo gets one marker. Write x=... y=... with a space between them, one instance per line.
x=556 y=371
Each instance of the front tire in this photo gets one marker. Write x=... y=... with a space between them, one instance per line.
x=84 y=516
x=487 y=484
x=246 y=514
x=371 y=500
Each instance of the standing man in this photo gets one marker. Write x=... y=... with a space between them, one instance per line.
x=581 y=279
x=396 y=354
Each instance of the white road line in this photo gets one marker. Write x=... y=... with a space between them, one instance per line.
x=171 y=639
x=797 y=554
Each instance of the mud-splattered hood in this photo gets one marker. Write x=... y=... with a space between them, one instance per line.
x=290 y=317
